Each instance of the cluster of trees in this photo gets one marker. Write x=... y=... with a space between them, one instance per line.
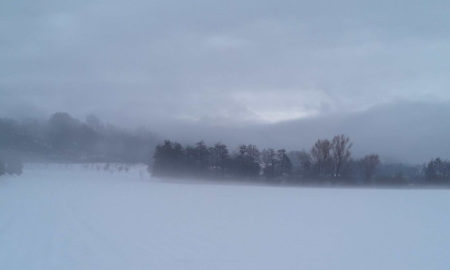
x=437 y=171
x=172 y=159
x=65 y=138
x=328 y=161
x=331 y=161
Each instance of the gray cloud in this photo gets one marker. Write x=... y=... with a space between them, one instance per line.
x=224 y=62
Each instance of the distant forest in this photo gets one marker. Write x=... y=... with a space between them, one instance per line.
x=63 y=138
x=328 y=162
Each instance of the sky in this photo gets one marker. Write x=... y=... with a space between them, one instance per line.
x=220 y=63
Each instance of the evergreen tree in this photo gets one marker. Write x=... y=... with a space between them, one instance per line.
x=168 y=159
x=246 y=161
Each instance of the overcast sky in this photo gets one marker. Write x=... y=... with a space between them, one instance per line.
x=226 y=62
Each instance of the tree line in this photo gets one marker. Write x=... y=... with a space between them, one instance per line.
x=327 y=161
x=63 y=138
x=437 y=171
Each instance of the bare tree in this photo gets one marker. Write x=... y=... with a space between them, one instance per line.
x=369 y=164
x=321 y=156
x=340 y=148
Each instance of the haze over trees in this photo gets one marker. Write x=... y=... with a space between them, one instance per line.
x=369 y=165
x=63 y=138
x=437 y=171
x=328 y=161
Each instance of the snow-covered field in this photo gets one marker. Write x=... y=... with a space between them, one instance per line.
x=70 y=217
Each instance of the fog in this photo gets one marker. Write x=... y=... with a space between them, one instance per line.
x=400 y=132
x=233 y=134
x=274 y=74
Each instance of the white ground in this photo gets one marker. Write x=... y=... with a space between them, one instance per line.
x=60 y=217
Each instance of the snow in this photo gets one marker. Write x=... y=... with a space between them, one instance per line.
x=71 y=217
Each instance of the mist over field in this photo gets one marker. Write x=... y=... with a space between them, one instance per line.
x=75 y=217
x=292 y=134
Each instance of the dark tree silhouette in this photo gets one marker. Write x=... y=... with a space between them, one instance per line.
x=269 y=160
x=369 y=165
x=284 y=164
x=328 y=162
x=321 y=157
x=437 y=171
x=302 y=165
x=168 y=159
x=197 y=158
x=246 y=161
x=219 y=159
x=340 y=150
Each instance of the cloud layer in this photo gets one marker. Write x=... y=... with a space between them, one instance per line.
x=223 y=62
